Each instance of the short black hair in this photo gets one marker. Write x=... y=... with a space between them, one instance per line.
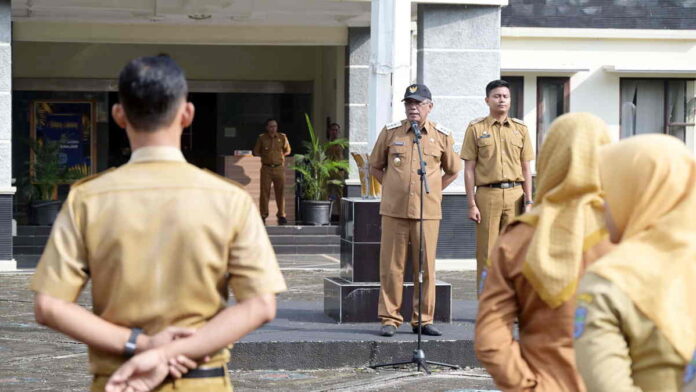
x=150 y=89
x=268 y=121
x=334 y=125
x=495 y=84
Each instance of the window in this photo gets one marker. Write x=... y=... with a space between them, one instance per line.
x=516 y=96
x=655 y=106
x=553 y=99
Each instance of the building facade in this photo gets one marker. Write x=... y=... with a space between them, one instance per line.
x=632 y=63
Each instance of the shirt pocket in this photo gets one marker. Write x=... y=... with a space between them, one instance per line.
x=397 y=156
x=433 y=156
x=485 y=147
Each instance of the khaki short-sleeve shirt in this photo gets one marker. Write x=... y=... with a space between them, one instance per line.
x=162 y=242
x=272 y=150
x=397 y=154
x=498 y=149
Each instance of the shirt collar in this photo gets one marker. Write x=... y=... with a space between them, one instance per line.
x=157 y=153
x=491 y=121
x=425 y=128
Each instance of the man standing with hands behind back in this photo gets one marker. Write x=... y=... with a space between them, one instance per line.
x=272 y=146
x=496 y=151
x=394 y=162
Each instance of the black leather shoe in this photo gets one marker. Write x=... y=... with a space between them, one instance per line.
x=282 y=220
x=429 y=330
x=388 y=330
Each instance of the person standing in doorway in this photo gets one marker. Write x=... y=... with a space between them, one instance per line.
x=496 y=151
x=272 y=146
x=394 y=162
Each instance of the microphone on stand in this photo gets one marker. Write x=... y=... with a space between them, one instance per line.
x=416 y=129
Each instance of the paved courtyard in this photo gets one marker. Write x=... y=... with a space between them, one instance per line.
x=37 y=359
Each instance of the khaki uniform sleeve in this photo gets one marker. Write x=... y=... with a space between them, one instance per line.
x=379 y=154
x=527 y=153
x=601 y=351
x=63 y=269
x=257 y=147
x=451 y=163
x=496 y=347
x=286 y=146
x=253 y=267
x=469 y=150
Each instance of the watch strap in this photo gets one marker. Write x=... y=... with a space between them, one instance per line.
x=129 y=348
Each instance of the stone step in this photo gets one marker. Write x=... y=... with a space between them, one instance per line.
x=303 y=337
x=306 y=249
x=305 y=239
x=302 y=230
x=33 y=230
x=30 y=240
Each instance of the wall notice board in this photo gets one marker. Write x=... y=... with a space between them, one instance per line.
x=74 y=123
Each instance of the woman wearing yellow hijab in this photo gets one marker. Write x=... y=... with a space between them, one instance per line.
x=636 y=315
x=535 y=265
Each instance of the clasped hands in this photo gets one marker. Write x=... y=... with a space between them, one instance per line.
x=146 y=370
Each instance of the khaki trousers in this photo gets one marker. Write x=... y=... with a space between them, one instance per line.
x=275 y=176
x=211 y=384
x=498 y=207
x=396 y=234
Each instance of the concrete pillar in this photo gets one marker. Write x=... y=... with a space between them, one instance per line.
x=458 y=54
x=357 y=74
x=390 y=58
x=6 y=189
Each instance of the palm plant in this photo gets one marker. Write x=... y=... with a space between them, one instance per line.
x=316 y=169
x=46 y=171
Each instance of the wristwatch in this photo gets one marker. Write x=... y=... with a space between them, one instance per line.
x=529 y=202
x=129 y=348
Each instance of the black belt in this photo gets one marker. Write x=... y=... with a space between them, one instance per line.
x=271 y=165
x=205 y=373
x=503 y=185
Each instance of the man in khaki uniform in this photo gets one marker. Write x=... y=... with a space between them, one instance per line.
x=272 y=146
x=496 y=150
x=394 y=162
x=162 y=242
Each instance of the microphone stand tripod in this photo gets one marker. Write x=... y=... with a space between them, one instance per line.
x=418 y=357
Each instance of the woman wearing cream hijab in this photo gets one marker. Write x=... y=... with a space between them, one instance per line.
x=535 y=265
x=636 y=317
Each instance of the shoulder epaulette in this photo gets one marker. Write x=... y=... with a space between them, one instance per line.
x=478 y=120
x=443 y=129
x=233 y=182
x=517 y=120
x=90 y=177
x=393 y=125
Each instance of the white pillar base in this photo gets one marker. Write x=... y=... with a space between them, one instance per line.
x=8 y=265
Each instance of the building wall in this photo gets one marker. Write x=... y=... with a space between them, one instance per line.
x=322 y=65
x=594 y=88
x=614 y=14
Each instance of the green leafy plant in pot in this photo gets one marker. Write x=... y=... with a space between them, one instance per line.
x=40 y=188
x=317 y=171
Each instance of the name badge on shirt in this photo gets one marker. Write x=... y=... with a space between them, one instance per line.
x=398 y=144
x=485 y=135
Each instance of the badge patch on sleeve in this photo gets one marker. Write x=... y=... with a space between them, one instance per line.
x=579 y=321
x=690 y=371
x=484 y=275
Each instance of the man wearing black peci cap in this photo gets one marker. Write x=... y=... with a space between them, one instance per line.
x=394 y=162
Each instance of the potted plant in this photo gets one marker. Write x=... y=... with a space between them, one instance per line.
x=46 y=172
x=317 y=171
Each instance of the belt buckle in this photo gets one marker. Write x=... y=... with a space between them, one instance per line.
x=505 y=185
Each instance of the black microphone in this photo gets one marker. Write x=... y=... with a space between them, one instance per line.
x=416 y=129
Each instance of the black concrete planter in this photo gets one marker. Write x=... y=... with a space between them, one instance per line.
x=316 y=212
x=44 y=212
